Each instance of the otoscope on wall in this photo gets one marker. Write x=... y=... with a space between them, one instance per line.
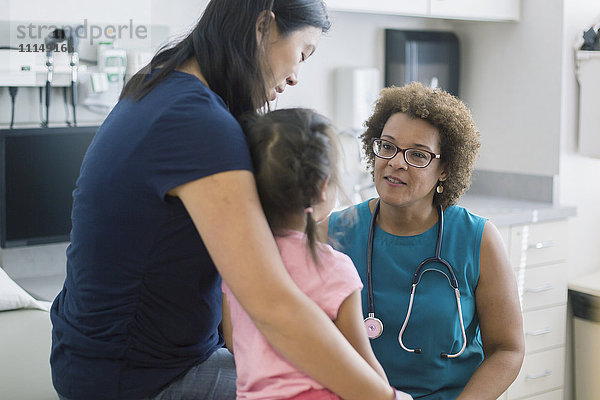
x=55 y=37
x=51 y=42
x=73 y=48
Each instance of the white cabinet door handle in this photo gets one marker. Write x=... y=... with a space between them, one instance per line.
x=539 y=332
x=543 y=288
x=538 y=376
x=542 y=245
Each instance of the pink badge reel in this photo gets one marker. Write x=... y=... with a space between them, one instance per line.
x=374 y=326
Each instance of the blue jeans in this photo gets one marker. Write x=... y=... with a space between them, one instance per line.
x=214 y=379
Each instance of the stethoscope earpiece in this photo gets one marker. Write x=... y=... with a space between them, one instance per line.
x=374 y=325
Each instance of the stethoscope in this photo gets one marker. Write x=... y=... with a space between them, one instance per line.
x=374 y=325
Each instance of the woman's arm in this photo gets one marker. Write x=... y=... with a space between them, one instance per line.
x=226 y=211
x=226 y=324
x=500 y=320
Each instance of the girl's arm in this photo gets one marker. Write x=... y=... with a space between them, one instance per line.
x=226 y=325
x=500 y=320
x=228 y=216
x=350 y=322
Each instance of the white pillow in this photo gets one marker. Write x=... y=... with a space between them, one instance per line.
x=13 y=296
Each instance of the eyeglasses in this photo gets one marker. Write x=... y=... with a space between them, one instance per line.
x=417 y=158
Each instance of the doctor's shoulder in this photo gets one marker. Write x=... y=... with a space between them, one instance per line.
x=466 y=218
x=485 y=234
x=343 y=224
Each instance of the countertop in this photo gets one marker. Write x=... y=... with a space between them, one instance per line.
x=588 y=284
x=505 y=212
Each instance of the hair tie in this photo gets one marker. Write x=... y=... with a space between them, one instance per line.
x=308 y=210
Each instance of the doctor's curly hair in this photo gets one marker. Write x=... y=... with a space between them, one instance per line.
x=458 y=134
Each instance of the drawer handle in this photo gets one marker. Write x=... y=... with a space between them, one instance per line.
x=539 y=289
x=538 y=376
x=539 y=332
x=542 y=245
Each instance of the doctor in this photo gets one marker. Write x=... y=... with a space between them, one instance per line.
x=440 y=298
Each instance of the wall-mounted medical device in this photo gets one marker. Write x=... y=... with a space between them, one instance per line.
x=55 y=63
x=57 y=37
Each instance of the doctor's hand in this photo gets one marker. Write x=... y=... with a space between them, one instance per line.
x=403 y=396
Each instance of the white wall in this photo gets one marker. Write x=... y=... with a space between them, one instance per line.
x=519 y=79
x=355 y=40
x=579 y=175
x=511 y=80
x=177 y=14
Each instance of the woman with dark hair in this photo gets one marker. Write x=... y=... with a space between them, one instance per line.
x=166 y=204
x=440 y=300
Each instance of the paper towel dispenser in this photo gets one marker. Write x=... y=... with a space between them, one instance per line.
x=588 y=76
x=429 y=57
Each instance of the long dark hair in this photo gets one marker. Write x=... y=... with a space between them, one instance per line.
x=294 y=152
x=224 y=45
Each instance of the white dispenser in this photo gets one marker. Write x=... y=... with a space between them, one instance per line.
x=588 y=76
x=356 y=92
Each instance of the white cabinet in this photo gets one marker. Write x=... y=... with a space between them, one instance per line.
x=402 y=7
x=553 y=395
x=538 y=255
x=475 y=9
x=490 y=10
x=541 y=372
x=545 y=328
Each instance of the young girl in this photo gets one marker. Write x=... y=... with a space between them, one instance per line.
x=295 y=158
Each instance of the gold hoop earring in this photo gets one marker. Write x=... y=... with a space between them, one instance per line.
x=439 y=188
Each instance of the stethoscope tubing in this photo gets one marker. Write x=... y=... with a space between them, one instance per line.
x=374 y=325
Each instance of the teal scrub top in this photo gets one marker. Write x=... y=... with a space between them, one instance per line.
x=434 y=323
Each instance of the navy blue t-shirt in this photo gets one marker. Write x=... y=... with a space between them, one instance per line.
x=142 y=301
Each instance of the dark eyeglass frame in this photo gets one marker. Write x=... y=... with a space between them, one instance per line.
x=403 y=151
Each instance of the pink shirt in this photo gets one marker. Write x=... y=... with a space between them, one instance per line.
x=262 y=373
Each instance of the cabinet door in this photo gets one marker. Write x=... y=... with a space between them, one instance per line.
x=541 y=372
x=542 y=286
x=554 y=395
x=538 y=244
x=408 y=7
x=545 y=328
x=501 y=10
